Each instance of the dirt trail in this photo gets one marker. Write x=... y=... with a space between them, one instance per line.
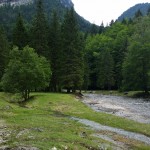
x=134 y=109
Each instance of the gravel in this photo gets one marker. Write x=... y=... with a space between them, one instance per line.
x=98 y=127
x=132 y=108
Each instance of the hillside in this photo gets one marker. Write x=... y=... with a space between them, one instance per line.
x=10 y=8
x=131 y=11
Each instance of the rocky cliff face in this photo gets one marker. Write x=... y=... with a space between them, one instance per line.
x=66 y=3
x=15 y=2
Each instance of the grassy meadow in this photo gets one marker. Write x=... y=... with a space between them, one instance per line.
x=44 y=122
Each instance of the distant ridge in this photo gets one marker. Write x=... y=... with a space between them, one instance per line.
x=9 y=10
x=143 y=7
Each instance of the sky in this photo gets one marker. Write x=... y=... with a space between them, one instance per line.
x=98 y=11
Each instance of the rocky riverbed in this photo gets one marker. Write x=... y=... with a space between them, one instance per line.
x=131 y=108
x=114 y=135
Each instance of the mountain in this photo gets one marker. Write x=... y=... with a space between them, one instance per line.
x=9 y=10
x=15 y=2
x=143 y=7
x=66 y=3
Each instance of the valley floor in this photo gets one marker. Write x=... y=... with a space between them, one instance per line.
x=60 y=121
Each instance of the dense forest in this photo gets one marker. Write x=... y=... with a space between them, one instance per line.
x=9 y=13
x=56 y=55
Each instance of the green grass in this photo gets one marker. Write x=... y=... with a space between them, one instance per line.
x=46 y=119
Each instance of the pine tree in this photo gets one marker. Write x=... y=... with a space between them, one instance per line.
x=111 y=23
x=55 y=52
x=72 y=60
x=101 y=28
x=148 y=11
x=138 y=14
x=20 y=36
x=39 y=31
x=93 y=29
x=4 y=51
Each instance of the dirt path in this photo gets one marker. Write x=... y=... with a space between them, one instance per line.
x=134 y=109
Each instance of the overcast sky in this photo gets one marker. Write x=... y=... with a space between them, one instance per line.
x=97 y=11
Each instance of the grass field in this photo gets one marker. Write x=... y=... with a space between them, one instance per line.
x=44 y=122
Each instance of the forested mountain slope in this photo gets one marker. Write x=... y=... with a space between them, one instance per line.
x=131 y=11
x=10 y=8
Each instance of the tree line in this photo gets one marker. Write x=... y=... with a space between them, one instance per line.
x=61 y=44
x=57 y=55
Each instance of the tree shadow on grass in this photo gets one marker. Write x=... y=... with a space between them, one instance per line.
x=23 y=103
x=59 y=114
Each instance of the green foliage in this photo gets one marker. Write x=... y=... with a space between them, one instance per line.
x=25 y=72
x=94 y=46
x=39 y=31
x=9 y=13
x=55 y=52
x=72 y=58
x=4 y=51
x=105 y=70
x=136 y=66
x=138 y=14
x=20 y=35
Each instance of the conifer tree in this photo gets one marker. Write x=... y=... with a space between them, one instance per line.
x=4 y=51
x=101 y=28
x=72 y=60
x=20 y=36
x=148 y=11
x=138 y=14
x=39 y=31
x=55 y=52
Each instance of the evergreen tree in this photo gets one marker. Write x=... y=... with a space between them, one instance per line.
x=101 y=28
x=20 y=36
x=86 y=77
x=72 y=60
x=130 y=21
x=55 y=52
x=39 y=31
x=138 y=14
x=124 y=21
x=148 y=11
x=4 y=51
x=93 y=29
x=111 y=23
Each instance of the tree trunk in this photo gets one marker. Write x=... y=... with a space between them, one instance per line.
x=28 y=95
x=68 y=90
x=25 y=95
